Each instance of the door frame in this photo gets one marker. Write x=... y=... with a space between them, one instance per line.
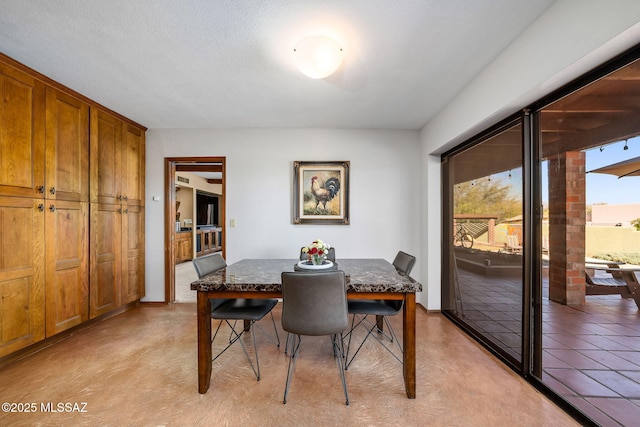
x=170 y=213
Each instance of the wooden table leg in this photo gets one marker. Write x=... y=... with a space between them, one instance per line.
x=380 y=323
x=204 y=342
x=633 y=285
x=409 y=344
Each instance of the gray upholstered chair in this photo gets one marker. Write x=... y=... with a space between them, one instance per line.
x=314 y=304
x=331 y=256
x=361 y=309
x=230 y=310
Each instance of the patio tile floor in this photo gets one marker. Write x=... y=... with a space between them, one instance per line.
x=591 y=353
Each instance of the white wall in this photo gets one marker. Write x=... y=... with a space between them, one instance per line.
x=569 y=39
x=385 y=181
x=395 y=194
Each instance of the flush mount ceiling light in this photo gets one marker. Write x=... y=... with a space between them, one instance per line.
x=318 y=56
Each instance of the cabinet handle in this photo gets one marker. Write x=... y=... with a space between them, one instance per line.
x=126 y=199
x=52 y=208
x=41 y=207
x=120 y=198
x=52 y=190
x=126 y=211
x=120 y=210
x=41 y=189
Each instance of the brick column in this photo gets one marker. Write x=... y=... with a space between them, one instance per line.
x=491 y=232
x=567 y=220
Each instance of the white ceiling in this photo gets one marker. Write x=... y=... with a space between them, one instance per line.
x=227 y=63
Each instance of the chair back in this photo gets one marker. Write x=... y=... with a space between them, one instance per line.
x=331 y=256
x=314 y=303
x=208 y=264
x=404 y=262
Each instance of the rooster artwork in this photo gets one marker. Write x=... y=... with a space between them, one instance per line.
x=321 y=192
x=324 y=192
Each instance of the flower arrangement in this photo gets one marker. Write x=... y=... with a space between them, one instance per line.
x=317 y=251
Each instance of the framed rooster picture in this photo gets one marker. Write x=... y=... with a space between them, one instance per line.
x=321 y=192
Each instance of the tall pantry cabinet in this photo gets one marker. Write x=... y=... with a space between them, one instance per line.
x=117 y=213
x=52 y=277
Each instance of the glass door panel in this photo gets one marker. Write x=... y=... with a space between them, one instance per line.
x=484 y=285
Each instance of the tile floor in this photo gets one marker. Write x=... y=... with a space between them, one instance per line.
x=591 y=353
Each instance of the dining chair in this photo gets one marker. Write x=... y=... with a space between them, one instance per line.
x=362 y=309
x=231 y=310
x=314 y=304
x=331 y=256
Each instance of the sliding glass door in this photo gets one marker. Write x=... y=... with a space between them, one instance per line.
x=541 y=259
x=485 y=239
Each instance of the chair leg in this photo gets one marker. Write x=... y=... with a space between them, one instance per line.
x=338 y=350
x=235 y=336
x=256 y=368
x=276 y=341
x=371 y=327
x=295 y=341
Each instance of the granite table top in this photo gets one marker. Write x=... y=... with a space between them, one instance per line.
x=363 y=275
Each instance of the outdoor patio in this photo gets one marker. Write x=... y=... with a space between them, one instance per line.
x=591 y=353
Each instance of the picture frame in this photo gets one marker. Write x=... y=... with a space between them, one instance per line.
x=321 y=192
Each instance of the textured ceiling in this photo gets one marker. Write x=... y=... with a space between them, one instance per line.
x=227 y=63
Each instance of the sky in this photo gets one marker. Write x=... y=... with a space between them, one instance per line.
x=605 y=188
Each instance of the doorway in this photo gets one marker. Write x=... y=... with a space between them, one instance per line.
x=212 y=170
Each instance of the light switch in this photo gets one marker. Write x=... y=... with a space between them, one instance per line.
x=232 y=223
x=156 y=198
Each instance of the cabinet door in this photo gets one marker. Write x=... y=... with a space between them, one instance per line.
x=21 y=134
x=67 y=147
x=66 y=260
x=21 y=273
x=133 y=254
x=105 y=258
x=106 y=154
x=133 y=163
x=186 y=248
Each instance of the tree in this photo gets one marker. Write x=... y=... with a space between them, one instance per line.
x=486 y=197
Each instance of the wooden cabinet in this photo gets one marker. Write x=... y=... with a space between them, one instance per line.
x=22 y=293
x=22 y=114
x=133 y=253
x=133 y=163
x=117 y=213
x=66 y=265
x=117 y=160
x=208 y=241
x=105 y=273
x=183 y=246
x=117 y=256
x=67 y=147
x=66 y=211
x=65 y=160
x=106 y=158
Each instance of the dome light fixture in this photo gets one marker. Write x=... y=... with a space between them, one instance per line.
x=318 y=56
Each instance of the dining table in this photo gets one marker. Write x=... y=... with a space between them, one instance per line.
x=366 y=278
